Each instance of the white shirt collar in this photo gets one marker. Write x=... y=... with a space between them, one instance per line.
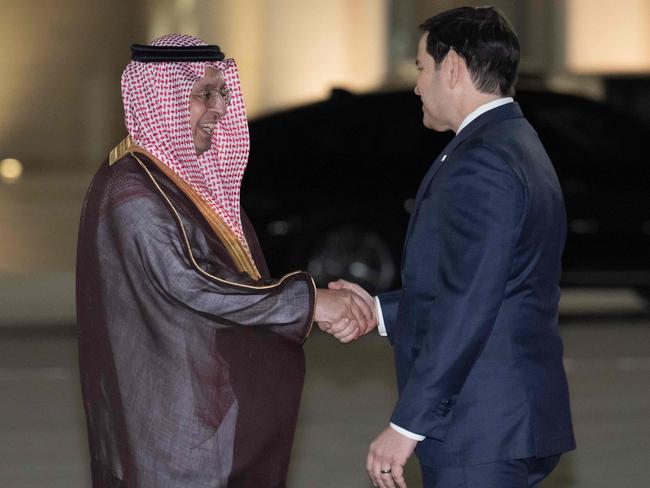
x=482 y=109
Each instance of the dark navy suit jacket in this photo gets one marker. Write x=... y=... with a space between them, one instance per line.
x=475 y=326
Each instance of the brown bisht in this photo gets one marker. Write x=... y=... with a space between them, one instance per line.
x=191 y=366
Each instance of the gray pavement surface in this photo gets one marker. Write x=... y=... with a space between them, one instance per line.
x=348 y=396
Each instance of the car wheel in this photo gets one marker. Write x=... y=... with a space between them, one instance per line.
x=355 y=254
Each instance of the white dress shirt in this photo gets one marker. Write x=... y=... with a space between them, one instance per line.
x=381 y=327
x=482 y=109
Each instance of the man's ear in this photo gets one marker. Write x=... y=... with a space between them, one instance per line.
x=454 y=70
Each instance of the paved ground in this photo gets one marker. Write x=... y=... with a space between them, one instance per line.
x=348 y=396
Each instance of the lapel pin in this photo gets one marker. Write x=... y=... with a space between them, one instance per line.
x=444 y=157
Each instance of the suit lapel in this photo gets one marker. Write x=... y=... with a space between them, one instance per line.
x=508 y=111
x=428 y=177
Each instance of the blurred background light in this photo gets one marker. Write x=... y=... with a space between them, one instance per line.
x=608 y=37
x=10 y=170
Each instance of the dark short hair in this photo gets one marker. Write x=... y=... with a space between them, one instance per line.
x=483 y=38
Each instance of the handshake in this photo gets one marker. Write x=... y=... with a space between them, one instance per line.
x=345 y=310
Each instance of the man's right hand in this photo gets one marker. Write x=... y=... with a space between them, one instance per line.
x=343 y=314
x=363 y=294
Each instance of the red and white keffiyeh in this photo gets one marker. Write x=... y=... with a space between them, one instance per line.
x=156 y=105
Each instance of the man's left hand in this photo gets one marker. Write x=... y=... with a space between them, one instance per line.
x=389 y=452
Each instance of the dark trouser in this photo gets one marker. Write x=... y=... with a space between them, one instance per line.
x=516 y=473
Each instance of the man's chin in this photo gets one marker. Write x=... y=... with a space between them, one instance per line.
x=202 y=147
x=432 y=125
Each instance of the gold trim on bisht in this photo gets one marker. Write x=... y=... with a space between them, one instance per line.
x=233 y=245
x=118 y=152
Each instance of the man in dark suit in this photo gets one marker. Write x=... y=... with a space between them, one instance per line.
x=483 y=397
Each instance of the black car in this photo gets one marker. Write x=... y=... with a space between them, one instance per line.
x=330 y=185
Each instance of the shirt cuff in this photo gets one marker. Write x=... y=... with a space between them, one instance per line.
x=404 y=432
x=381 y=327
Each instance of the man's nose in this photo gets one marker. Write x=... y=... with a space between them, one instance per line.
x=220 y=107
x=416 y=91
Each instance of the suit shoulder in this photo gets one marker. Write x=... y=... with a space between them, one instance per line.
x=482 y=154
x=504 y=145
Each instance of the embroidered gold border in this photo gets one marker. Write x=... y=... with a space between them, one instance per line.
x=233 y=245
x=216 y=278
